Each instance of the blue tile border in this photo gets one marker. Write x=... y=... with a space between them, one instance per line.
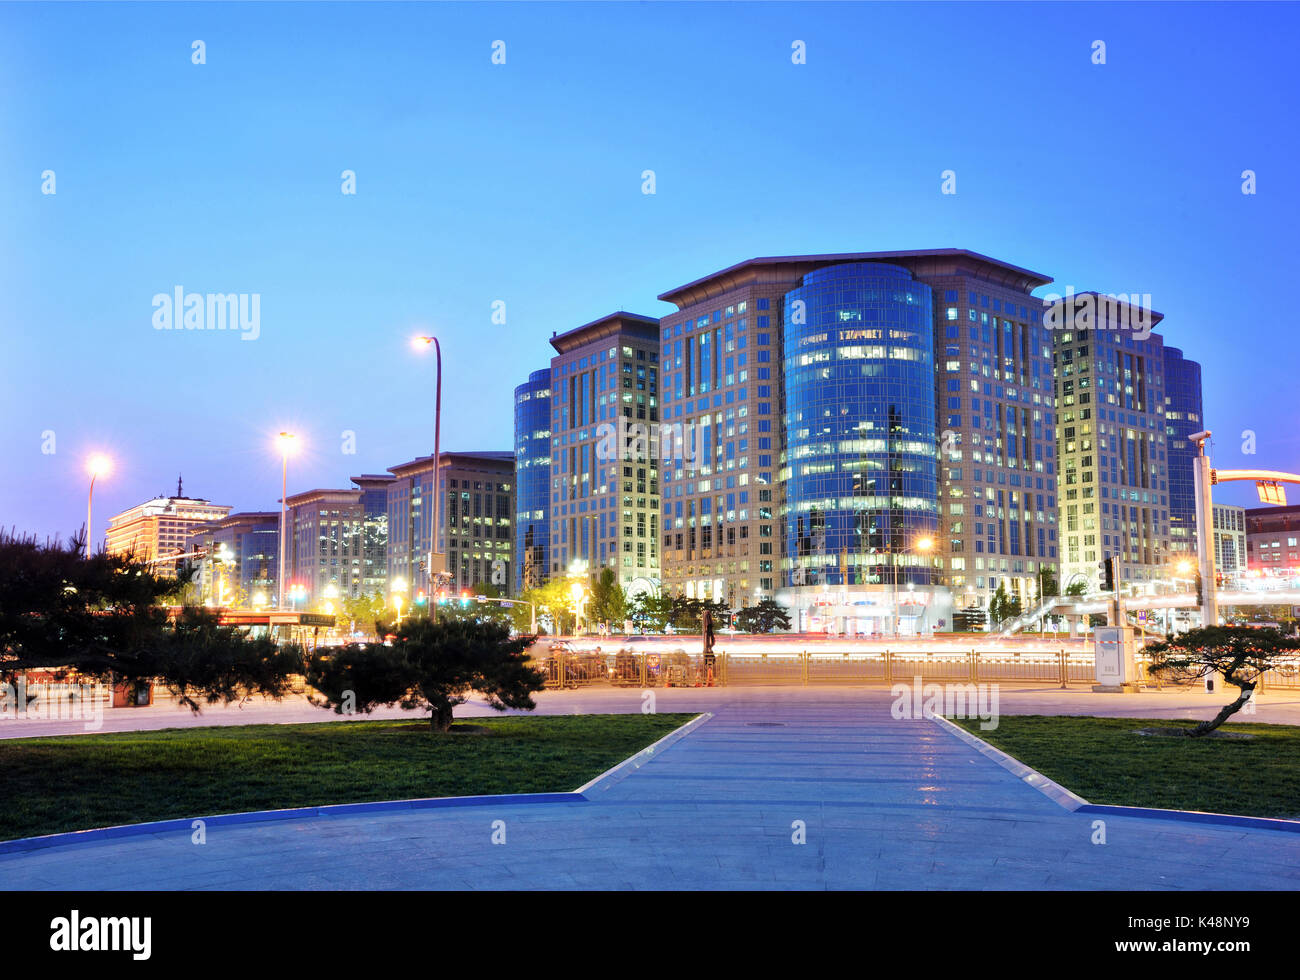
x=1077 y=804
x=76 y=837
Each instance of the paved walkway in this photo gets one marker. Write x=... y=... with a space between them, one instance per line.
x=884 y=803
x=1279 y=707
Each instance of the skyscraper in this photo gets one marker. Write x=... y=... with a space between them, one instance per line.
x=1111 y=443
x=532 y=480
x=993 y=508
x=604 y=470
x=1183 y=416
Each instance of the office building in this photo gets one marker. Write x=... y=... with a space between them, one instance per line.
x=532 y=480
x=1272 y=534
x=236 y=559
x=1183 y=417
x=476 y=518
x=1229 y=540
x=157 y=531
x=604 y=451
x=1111 y=440
x=978 y=354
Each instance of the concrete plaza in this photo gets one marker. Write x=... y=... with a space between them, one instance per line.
x=882 y=803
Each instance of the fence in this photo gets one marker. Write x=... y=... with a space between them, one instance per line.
x=804 y=668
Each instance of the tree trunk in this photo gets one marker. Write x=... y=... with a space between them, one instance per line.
x=1228 y=710
x=440 y=719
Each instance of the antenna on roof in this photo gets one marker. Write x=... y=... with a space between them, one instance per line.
x=179 y=491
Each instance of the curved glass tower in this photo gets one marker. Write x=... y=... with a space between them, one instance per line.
x=532 y=479
x=861 y=467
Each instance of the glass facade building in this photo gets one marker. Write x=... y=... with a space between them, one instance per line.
x=1183 y=416
x=532 y=479
x=861 y=473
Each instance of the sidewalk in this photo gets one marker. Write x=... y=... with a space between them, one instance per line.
x=884 y=804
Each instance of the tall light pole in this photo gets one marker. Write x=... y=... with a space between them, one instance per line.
x=922 y=545
x=285 y=441
x=435 y=566
x=97 y=465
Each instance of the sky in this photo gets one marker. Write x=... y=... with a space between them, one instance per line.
x=521 y=184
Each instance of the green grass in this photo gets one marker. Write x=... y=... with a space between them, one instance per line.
x=56 y=784
x=1104 y=762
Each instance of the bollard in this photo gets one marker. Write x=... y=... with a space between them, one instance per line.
x=1065 y=670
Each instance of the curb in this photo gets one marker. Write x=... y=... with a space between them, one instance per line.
x=629 y=765
x=1077 y=804
x=1049 y=788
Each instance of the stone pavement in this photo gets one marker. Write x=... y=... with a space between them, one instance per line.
x=884 y=803
x=1016 y=698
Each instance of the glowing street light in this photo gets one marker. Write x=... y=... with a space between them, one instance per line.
x=435 y=566
x=97 y=465
x=923 y=545
x=285 y=442
x=398 y=588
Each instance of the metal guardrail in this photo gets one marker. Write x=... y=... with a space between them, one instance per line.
x=569 y=670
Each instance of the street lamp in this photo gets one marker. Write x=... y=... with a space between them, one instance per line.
x=923 y=545
x=286 y=443
x=96 y=465
x=578 y=593
x=435 y=566
x=398 y=587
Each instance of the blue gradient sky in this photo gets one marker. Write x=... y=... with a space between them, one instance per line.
x=522 y=183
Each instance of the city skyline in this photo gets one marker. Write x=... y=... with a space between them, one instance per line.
x=431 y=241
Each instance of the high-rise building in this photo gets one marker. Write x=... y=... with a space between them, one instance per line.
x=989 y=512
x=1111 y=440
x=237 y=558
x=1183 y=416
x=1229 y=539
x=532 y=480
x=476 y=518
x=157 y=530
x=604 y=466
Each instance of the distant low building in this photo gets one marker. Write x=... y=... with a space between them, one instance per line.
x=1272 y=536
x=237 y=558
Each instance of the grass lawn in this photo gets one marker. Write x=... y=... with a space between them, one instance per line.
x=1104 y=762
x=55 y=784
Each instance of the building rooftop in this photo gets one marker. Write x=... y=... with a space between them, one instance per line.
x=786 y=268
x=426 y=462
x=607 y=327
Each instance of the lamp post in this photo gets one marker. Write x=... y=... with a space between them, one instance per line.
x=435 y=566
x=97 y=465
x=922 y=545
x=578 y=593
x=285 y=441
x=398 y=587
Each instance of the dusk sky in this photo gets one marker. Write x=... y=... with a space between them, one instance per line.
x=522 y=183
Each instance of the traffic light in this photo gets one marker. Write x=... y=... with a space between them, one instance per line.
x=1107 y=575
x=464 y=598
x=442 y=598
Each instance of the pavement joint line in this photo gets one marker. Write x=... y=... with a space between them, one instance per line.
x=1077 y=804
x=629 y=765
